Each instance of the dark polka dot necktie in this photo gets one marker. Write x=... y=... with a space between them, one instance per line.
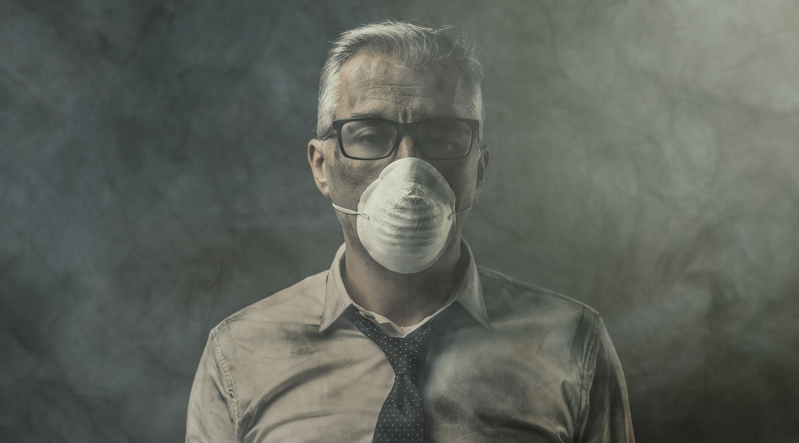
x=401 y=418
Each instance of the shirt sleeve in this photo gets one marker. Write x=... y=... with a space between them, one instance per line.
x=608 y=416
x=212 y=404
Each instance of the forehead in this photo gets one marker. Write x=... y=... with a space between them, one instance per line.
x=378 y=85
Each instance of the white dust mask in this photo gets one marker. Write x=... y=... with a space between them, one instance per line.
x=406 y=215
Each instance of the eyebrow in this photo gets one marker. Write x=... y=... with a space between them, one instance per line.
x=383 y=116
x=367 y=115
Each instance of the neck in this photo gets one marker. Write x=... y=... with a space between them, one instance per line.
x=405 y=299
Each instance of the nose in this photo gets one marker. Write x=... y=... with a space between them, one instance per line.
x=407 y=147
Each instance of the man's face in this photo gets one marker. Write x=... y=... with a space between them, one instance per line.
x=377 y=86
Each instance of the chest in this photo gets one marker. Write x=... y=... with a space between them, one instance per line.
x=501 y=385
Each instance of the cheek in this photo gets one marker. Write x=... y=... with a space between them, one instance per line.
x=462 y=179
x=348 y=179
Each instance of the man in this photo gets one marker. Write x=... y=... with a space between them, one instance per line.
x=405 y=338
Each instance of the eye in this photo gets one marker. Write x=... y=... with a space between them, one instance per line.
x=368 y=132
x=444 y=138
x=441 y=137
x=368 y=136
x=441 y=142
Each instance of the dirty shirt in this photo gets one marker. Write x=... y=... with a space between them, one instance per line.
x=518 y=363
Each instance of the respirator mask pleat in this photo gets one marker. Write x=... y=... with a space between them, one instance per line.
x=406 y=216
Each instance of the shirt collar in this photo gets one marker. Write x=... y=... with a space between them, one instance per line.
x=468 y=292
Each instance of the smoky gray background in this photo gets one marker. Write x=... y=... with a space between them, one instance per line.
x=154 y=180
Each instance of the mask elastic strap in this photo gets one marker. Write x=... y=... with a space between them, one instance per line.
x=459 y=213
x=350 y=211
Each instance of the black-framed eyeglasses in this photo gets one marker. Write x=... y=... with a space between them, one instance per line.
x=367 y=138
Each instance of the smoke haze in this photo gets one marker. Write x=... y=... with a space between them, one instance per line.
x=153 y=181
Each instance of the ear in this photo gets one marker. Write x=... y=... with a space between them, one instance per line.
x=482 y=166
x=316 y=158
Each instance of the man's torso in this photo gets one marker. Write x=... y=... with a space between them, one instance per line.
x=525 y=378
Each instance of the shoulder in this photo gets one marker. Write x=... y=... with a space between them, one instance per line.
x=500 y=288
x=298 y=304
x=511 y=300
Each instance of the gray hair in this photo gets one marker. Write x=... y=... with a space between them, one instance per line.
x=410 y=44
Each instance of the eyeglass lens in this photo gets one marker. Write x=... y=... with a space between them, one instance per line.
x=440 y=139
